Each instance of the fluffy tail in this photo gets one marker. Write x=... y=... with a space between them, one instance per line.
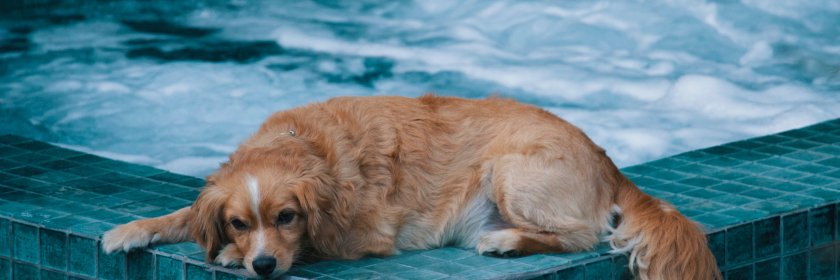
x=663 y=244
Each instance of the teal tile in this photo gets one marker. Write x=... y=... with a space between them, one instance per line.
x=571 y=273
x=832 y=162
x=621 y=268
x=137 y=208
x=811 y=168
x=86 y=171
x=734 y=199
x=227 y=276
x=111 y=266
x=542 y=261
x=140 y=265
x=94 y=229
x=326 y=267
x=356 y=273
x=60 y=153
x=389 y=268
x=817 y=180
x=25 y=243
x=740 y=273
x=772 y=207
x=822 y=264
x=483 y=261
x=715 y=220
x=742 y=214
x=169 y=268
x=775 y=150
x=768 y=269
x=795 y=233
x=5 y=238
x=801 y=144
x=722 y=150
x=449 y=253
x=668 y=175
x=414 y=260
x=5 y=269
x=717 y=244
x=785 y=174
x=822 y=223
x=420 y=274
x=9 y=139
x=196 y=272
x=52 y=275
x=31 y=158
x=767 y=237
x=772 y=139
x=54 y=249
x=66 y=222
x=168 y=202
x=704 y=194
x=600 y=270
x=82 y=255
x=512 y=268
x=739 y=244
x=87 y=159
x=23 y=271
x=800 y=201
x=58 y=164
x=184 y=248
x=807 y=156
x=669 y=163
x=6 y=151
x=753 y=168
x=795 y=267
x=477 y=274
x=723 y=162
x=34 y=146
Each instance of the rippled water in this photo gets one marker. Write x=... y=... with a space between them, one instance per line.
x=178 y=85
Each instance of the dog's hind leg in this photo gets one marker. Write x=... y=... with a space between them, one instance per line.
x=171 y=228
x=552 y=204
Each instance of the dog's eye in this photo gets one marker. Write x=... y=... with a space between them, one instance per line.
x=238 y=225
x=285 y=218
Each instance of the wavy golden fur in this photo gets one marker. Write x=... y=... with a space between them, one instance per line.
x=364 y=176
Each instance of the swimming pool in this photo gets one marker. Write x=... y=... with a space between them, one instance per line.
x=179 y=85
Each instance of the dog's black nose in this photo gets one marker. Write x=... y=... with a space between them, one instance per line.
x=264 y=265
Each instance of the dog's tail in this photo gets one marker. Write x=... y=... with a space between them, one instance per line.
x=663 y=244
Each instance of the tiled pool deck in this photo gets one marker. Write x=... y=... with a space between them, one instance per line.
x=770 y=205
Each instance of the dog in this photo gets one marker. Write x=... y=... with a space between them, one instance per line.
x=373 y=176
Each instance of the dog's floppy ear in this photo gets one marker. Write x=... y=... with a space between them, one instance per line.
x=326 y=206
x=206 y=221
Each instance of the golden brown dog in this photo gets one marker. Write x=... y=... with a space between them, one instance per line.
x=362 y=176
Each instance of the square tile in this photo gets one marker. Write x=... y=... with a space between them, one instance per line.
x=795 y=233
x=23 y=271
x=5 y=238
x=822 y=263
x=795 y=267
x=717 y=244
x=768 y=269
x=140 y=265
x=601 y=270
x=169 y=268
x=196 y=272
x=82 y=255
x=822 y=221
x=740 y=273
x=111 y=266
x=767 y=237
x=5 y=269
x=25 y=243
x=739 y=244
x=571 y=273
x=52 y=275
x=53 y=249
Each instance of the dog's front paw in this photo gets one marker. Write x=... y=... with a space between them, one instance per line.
x=127 y=237
x=230 y=256
x=499 y=243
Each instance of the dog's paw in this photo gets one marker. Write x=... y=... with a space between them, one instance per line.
x=499 y=243
x=230 y=256
x=127 y=237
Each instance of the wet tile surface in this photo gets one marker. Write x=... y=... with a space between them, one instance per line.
x=768 y=203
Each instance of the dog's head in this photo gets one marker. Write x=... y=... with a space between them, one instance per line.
x=263 y=207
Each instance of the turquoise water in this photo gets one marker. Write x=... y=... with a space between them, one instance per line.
x=178 y=84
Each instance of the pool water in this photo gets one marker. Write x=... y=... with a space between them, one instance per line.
x=178 y=85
